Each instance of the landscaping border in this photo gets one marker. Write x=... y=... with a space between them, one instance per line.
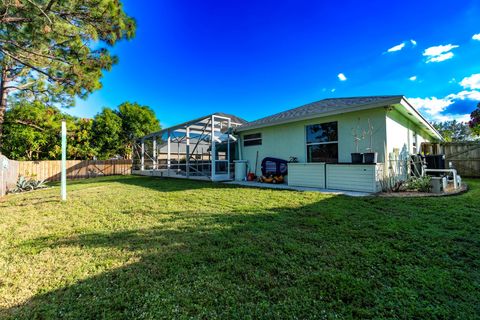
x=463 y=188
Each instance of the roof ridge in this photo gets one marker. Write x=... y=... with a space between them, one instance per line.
x=360 y=97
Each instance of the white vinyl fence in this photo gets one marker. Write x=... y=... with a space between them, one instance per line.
x=8 y=174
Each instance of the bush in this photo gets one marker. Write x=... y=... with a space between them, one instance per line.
x=421 y=184
x=391 y=184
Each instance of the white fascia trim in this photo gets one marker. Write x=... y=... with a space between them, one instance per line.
x=419 y=116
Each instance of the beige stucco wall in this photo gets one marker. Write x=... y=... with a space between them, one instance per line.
x=286 y=140
x=400 y=133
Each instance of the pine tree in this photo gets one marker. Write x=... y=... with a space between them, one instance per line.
x=54 y=50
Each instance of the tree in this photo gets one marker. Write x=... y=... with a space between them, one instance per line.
x=107 y=130
x=32 y=130
x=454 y=130
x=55 y=49
x=137 y=121
x=29 y=131
x=33 y=133
x=81 y=140
x=474 y=122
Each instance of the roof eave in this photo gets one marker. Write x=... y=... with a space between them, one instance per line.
x=404 y=102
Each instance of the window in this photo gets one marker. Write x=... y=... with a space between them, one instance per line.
x=254 y=139
x=322 y=142
x=414 y=143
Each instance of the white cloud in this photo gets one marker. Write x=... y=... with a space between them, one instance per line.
x=401 y=46
x=476 y=37
x=437 y=50
x=465 y=95
x=413 y=78
x=472 y=82
x=333 y=90
x=463 y=117
x=439 y=53
x=341 y=77
x=431 y=106
x=398 y=47
x=449 y=117
x=435 y=108
x=440 y=58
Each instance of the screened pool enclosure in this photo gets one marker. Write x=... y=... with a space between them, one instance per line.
x=202 y=148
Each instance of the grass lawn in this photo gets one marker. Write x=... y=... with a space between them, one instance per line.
x=138 y=247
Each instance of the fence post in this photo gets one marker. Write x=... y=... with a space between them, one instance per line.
x=142 y=159
x=2 y=192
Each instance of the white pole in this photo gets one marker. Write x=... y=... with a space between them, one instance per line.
x=142 y=158
x=187 y=151
x=168 y=153
x=64 y=162
x=228 y=148
x=212 y=147
x=154 y=153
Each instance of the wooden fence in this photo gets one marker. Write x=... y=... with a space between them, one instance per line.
x=49 y=170
x=465 y=156
x=8 y=174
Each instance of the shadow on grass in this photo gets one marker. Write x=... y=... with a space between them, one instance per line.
x=339 y=257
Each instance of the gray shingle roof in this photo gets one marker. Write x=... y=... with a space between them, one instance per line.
x=322 y=108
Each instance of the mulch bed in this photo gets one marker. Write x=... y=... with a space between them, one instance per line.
x=449 y=192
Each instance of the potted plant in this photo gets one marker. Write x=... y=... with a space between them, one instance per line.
x=370 y=156
x=357 y=157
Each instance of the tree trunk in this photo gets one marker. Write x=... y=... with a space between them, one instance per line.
x=3 y=101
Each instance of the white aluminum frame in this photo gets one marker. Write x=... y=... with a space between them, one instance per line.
x=204 y=134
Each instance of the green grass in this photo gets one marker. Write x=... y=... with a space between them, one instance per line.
x=137 y=247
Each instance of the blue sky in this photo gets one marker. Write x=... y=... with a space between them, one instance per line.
x=255 y=58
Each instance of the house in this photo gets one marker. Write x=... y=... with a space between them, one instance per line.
x=322 y=136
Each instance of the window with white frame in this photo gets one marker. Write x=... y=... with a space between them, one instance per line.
x=322 y=142
x=254 y=139
x=414 y=143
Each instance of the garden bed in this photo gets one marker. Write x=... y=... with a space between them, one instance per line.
x=449 y=192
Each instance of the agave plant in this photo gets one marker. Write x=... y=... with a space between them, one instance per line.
x=24 y=184
x=38 y=184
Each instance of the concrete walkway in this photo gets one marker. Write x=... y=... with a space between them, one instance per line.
x=287 y=187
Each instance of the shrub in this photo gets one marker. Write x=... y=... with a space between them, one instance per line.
x=421 y=184
x=24 y=184
x=391 y=184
